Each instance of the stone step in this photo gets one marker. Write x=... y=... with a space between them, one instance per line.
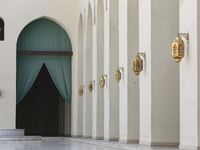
x=11 y=132
x=20 y=138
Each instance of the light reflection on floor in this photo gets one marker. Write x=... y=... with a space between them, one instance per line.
x=61 y=143
x=50 y=144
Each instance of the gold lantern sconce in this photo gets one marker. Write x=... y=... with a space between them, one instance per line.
x=102 y=81
x=137 y=63
x=91 y=86
x=118 y=74
x=81 y=90
x=178 y=47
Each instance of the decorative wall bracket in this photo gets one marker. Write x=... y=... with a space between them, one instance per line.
x=81 y=90
x=178 y=47
x=102 y=81
x=142 y=54
x=137 y=63
x=121 y=68
x=90 y=86
x=185 y=35
x=118 y=74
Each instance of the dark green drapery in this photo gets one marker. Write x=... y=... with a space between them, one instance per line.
x=43 y=35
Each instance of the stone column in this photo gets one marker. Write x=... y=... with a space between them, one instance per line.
x=159 y=81
x=189 y=76
x=111 y=63
x=98 y=71
x=129 y=85
x=87 y=77
x=77 y=102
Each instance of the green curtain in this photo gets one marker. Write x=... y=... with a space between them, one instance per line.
x=43 y=35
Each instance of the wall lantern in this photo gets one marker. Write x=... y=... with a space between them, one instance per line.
x=178 y=47
x=118 y=74
x=137 y=63
x=90 y=86
x=102 y=81
x=81 y=91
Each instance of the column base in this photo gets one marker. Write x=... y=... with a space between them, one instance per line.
x=111 y=139
x=20 y=138
x=183 y=147
x=161 y=144
x=76 y=136
x=128 y=141
x=97 y=138
x=87 y=137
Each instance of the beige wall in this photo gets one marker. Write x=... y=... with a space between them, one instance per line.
x=16 y=16
x=159 y=82
x=189 y=76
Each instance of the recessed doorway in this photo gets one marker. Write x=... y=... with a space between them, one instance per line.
x=42 y=111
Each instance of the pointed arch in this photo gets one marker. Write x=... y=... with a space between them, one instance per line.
x=55 y=20
x=43 y=35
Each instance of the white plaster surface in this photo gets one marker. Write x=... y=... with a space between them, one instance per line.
x=129 y=85
x=98 y=71
x=79 y=113
x=111 y=53
x=87 y=61
x=145 y=76
x=159 y=82
x=189 y=75
x=16 y=16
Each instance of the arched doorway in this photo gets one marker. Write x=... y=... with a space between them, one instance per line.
x=44 y=79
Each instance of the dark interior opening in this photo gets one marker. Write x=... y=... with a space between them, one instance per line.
x=38 y=112
x=1 y=30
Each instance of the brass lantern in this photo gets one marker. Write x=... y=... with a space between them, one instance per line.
x=90 y=87
x=118 y=75
x=137 y=64
x=178 y=49
x=102 y=82
x=80 y=91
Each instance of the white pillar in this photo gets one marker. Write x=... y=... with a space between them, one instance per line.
x=87 y=77
x=98 y=71
x=159 y=82
x=111 y=90
x=189 y=76
x=129 y=85
x=80 y=79
x=77 y=103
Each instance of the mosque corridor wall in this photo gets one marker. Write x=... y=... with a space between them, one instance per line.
x=151 y=106
x=16 y=16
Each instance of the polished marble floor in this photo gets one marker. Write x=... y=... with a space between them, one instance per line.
x=61 y=143
x=54 y=143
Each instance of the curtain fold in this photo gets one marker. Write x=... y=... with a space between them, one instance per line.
x=60 y=71
x=27 y=71
x=59 y=68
